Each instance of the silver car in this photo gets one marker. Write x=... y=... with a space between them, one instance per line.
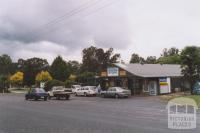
x=116 y=92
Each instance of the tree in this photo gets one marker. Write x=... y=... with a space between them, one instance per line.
x=5 y=64
x=170 y=52
x=74 y=67
x=190 y=64
x=31 y=67
x=17 y=78
x=72 y=77
x=135 y=58
x=60 y=69
x=43 y=76
x=95 y=59
x=173 y=59
x=151 y=60
x=87 y=77
x=3 y=82
x=170 y=56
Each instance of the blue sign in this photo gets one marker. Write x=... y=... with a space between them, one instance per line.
x=113 y=71
x=163 y=79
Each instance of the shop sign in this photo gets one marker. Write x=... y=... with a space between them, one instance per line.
x=112 y=71
x=122 y=73
x=164 y=85
x=103 y=74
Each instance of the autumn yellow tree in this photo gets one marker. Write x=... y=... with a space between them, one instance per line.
x=72 y=77
x=17 y=78
x=43 y=76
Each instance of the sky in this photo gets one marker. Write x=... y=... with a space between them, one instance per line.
x=46 y=29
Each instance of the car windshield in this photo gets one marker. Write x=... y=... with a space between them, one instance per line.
x=119 y=89
x=92 y=87
x=39 y=90
x=76 y=86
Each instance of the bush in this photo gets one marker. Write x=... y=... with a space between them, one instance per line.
x=53 y=83
x=69 y=83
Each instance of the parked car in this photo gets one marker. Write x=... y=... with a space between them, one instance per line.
x=59 y=92
x=75 y=87
x=196 y=89
x=36 y=93
x=86 y=91
x=116 y=92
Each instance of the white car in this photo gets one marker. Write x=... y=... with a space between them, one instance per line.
x=86 y=91
x=75 y=88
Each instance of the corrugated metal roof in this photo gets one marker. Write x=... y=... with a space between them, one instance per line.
x=152 y=70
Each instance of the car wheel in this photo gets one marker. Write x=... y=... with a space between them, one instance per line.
x=116 y=96
x=58 y=98
x=45 y=98
x=26 y=98
x=35 y=98
x=85 y=94
x=67 y=97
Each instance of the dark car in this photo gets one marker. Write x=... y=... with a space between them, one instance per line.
x=116 y=92
x=36 y=93
x=196 y=89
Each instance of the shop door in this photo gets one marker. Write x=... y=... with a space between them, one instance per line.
x=152 y=88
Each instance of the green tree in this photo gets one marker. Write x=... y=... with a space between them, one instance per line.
x=74 y=67
x=5 y=64
x=135 y=58
x=151 y=60
x=59 y=69
x=86 y=77
x=31 y=67
x=170 y=56
x=94 y=59
x=3 y=82
x=170 y=52
x=190 y=64
x=173 y=59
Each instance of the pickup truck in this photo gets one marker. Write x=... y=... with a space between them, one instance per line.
x=59 y=92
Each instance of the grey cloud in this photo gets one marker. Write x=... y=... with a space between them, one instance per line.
x=128 y=26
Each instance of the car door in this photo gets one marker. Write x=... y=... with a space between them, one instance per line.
x=113 y=92
x=32 y=93
x=78 y=91
x=109 y=92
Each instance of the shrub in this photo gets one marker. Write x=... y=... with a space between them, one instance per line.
x=53 y=83
x=69 y=83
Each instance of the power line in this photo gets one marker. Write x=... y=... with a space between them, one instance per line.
x=94 y=11
x=69 y=14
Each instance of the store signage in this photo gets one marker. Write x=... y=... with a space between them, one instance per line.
x=112 y=71
x=164 y=85
x=103 y=74
x=122 y=73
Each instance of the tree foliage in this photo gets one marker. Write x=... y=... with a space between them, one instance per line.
x=170 y=56
x=5 y=64
x=190 y=63
x=94 y=59
x=17 y=78
x=151 y=60
x=43 y=76
x=59 y=69
x=135 y=58
x=31 y=67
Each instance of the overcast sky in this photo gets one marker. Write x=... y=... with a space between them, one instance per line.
x=129 y=26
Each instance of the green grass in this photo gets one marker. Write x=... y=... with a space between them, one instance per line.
x=196 y=98
x=176 y=95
